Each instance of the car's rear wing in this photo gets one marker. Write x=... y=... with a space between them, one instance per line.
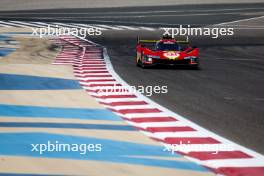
x=147 y=41
x=139 y=41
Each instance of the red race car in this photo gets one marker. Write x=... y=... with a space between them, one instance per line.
x=167 y=51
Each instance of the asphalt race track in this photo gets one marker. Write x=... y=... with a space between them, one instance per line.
x=143 y=16
x=225 y=95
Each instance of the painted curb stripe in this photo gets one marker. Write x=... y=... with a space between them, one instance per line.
x=153 y=119
x=168 y=129
x=218 y=155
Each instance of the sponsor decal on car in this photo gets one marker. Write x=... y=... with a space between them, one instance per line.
x=171 y=55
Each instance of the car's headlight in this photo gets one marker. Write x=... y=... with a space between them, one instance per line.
x=154 y=57
x=149 y=59
x=190 y=57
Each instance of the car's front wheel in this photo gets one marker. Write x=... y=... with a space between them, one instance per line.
x=142 y=65
x=138 y=62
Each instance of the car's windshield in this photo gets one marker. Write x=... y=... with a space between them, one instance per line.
x=167 y=46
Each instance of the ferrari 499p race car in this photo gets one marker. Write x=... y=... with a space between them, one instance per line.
x=167 y=51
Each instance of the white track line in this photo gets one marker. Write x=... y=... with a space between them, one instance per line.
x=11 y=24
x=236 y=21
x=240 y=162
x=26 y=24
x=128 y=27
x=109 y=27
x=4 y=25
x=147 y=28
x=89 y=26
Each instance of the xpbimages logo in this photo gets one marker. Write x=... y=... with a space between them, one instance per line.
x=213 y=32
x=57 y=31
x=186 y=148
x=64 y=147
x=123 y=90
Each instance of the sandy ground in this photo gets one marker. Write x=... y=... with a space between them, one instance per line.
x=54 y=71
x=54 y=98
x=50 y=4
x=77 y=167
x=32 y=51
